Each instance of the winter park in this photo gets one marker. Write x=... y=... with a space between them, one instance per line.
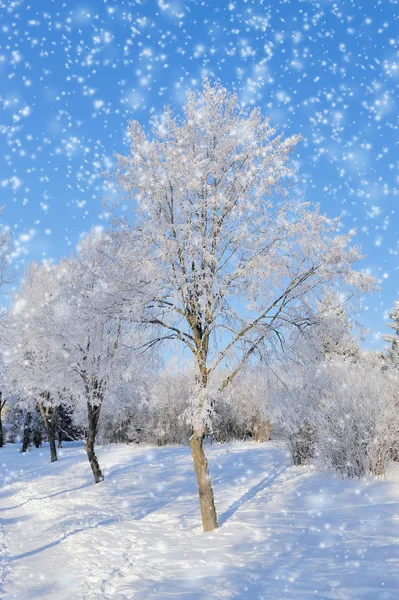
x=199 y=320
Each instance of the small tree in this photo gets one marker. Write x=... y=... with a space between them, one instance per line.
x=337 y=407
x=66 y=345
x=6 y=277
x=298 y=393
x=357 y=421
x=392 y=351
x=392 y=358
x=27 y=431
x=234 y=256
x=3 y=402
x=31 y=350
x=97 y=342
x=242 y=409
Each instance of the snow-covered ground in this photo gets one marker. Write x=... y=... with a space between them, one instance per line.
x=285 y=532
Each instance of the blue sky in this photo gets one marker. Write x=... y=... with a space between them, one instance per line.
x=73 y=73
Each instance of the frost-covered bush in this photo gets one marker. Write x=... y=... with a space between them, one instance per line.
x=293 y=404
x=360 y=419
x=301 y=444
x=346 y=415
x=242 y=411
x=150 y=413
x=169 y=398
x=156 y=411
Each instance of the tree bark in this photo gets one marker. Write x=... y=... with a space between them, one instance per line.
x=49 y=418
x=2 y=404
x=205 y=491
x=93 y=413
x=37 y=437
x=53 y=449
x=1 y=431
x=26 y=436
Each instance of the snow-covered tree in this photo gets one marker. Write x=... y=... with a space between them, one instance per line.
x=66 y=345
x=391 y=356
x=332 y=332
x=235 y=256
x=32 y=347
x=6 y=276
x=3 y=400
x=169 y=396
x=18 y=422
x=357 y=418
x=241 y=410
x=393 y=338
x=329 y=339
x=98 y=342
x=6 y=272
x=336 y=402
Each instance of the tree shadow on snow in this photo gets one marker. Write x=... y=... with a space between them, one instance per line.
x=6 y=522
x=262 y=486
x=62 y=539
x=79 y=487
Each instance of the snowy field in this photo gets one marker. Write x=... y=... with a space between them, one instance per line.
x=285 y=532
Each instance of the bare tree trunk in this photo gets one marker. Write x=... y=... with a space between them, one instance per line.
x=37 y=437
x=60 y=440
x=93 y=413
x=2 y=404
x=26 y=436
x=205 y=491
x=53 y=449
x=1 y=431
x=49 y=414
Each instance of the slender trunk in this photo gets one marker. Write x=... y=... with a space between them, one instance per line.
x=2 y=404
x=1 y=431
x=26 y=436
x=49 y=414
x=93 y=413
x=60 y=440
x=53 y=449
x=205 y=490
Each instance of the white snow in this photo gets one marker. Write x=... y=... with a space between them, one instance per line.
x=286 y=532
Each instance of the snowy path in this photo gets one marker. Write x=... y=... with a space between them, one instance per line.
x=286 y=533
